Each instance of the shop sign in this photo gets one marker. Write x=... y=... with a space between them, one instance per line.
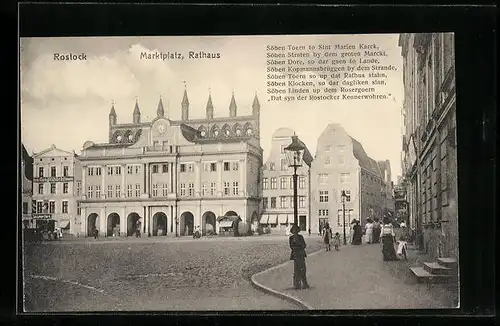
x=41 y=216
x=53 y=179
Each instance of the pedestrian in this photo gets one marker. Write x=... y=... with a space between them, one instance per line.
x=336 y=241
x=376 y=230
x=387 y=233
x=327 y=237
x=357 y=233
x=309 y=230
x=298 y=255
x=96 y=233
x=369 y=230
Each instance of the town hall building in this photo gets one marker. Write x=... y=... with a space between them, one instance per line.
x=168 y=177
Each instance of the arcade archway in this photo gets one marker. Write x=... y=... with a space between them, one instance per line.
x=92 y=223
x=231 y=213
x=133 y=223
x=159 y=224
x=113 y=225
x=187 y=223
x=208 y=222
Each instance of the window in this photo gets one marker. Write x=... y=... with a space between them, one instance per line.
x=137 y=189
x=284 y=202
x=291 y=202
x=348 y=195
x=283 y=182
x=226 y=188
x=344 y=177
x=118 y=191
x=129 y=191
x=78 y=209
x=204 y=189
x=130 y=169
x=110 y=170
x=155 y=168
x=183 y=189
x=302 y=201
x=39 y=207
x=273 y=183
x=137 y=169
x=65 y=206
x=212 y=189
x=165 y=190
x=323 y=212
x=164 y=168
x=302 y=182
x=283 y=164
x=25 y=208
x=327 y=159
x=65 y=170
x=273 y=202
x=155 y=190
x=52 y=171
x=52 y=188
x=110 y=191
x=90 y=170
x=323 y=178
x=90 y=192
x=265 y=183
x=272 y=166
x=52 y=207
x=98 y=192
x=213 y=167
x=236 y=166
x=98 y=171
x=79 y=188
x=235 y=188
x=40 y=188
x=190 y=167
x=65 y=188
x=226 y=166
x=191 y=189
x=323 y=196
x=118 y=170
x=40 y=172
x=183 y=167
x=265 y=202
x=206 y=167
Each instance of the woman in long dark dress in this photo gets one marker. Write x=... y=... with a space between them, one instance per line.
x=357 y=234
x=387 y=234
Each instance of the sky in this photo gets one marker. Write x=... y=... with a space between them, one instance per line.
x=67 y=102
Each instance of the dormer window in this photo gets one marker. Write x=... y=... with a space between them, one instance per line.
x=119 y=138
x=130 y=138
x=227 y=132
x=203 y=133
x=238 y=132
x=216 y=133
x=249 y=132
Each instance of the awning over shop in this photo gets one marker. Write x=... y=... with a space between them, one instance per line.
x=63 y=224
x=263 y=219
x=273 y=219
x=232 y=218
x=283 y=219
x=226 y=224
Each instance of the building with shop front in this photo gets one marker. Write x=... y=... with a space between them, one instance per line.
x=277 y=186
x=429 y=140
x=168 y=177
x=26 y=186
x=56 y=188
x=341 y=164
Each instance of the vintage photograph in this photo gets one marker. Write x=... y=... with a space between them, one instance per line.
x=248 y=173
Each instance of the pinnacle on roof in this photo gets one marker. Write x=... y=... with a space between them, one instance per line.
x=136 y=109
x=256 y=103
x=210 y=106
x=185 y=101
x=232 y=105
x=160 y=111
x=112 y=112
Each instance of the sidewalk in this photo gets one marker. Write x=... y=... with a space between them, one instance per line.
x=356 y=277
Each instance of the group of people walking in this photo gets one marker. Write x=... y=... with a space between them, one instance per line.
x=329 y=238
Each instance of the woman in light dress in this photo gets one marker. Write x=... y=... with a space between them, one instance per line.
x=369 y=230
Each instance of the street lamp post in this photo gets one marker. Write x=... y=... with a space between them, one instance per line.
x=176 y=226
x=343 y=214
x=294 y=153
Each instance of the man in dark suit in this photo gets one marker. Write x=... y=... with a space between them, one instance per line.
x=298 y=255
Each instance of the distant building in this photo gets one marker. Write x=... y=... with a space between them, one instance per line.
x=167 y=177
x=26 y=186
x=429 y=140
x=277 y=186
x=341 y=164
x=56 y=187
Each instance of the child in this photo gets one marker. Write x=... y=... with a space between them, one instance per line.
x=401 y=252
x=336 y=241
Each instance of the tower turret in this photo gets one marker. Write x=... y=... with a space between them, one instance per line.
x=232 y=106
x=210 y=108
x=185 y=105
x=159 y=111
x=137 y=113
x=256 y=112
x=112 y=120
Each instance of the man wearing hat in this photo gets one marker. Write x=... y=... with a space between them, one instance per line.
x=298 y=255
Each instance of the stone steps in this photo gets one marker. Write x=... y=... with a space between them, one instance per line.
x=422 y=274
x=442 y=270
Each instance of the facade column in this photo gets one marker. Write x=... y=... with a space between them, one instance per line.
x=148 y=179
x=171 y=177
x=220 y=188
x=198 y=170
x=102 y=223
x=84 y=189
x=145 y=191
x=123 y=222
x=176 y=172
x=176 y=220
x=198 y=218
x=172 y=221
x=103 y=185
x=147 y=218
x=124 y=189
x=242 y=183
x=83 y=225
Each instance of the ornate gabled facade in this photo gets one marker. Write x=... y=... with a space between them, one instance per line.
x=167 y=177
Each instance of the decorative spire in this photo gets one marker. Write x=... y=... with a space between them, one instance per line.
x=112 y=112
x=137 y=112
x=256 y=104
x=210 y=108
x=232 y=106
x=159 y=111
x=185 y=104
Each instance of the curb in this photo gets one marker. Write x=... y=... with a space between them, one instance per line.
x=279 y=294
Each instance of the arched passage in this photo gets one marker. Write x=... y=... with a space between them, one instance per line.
x=159 y=224
x=187 y=223
x=132 y=223
x=231 y=213
x=92 y=223
x=208 y=222
x=113 y=225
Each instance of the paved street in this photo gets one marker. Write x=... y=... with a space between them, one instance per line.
x=153 y=274
x=356 y=277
